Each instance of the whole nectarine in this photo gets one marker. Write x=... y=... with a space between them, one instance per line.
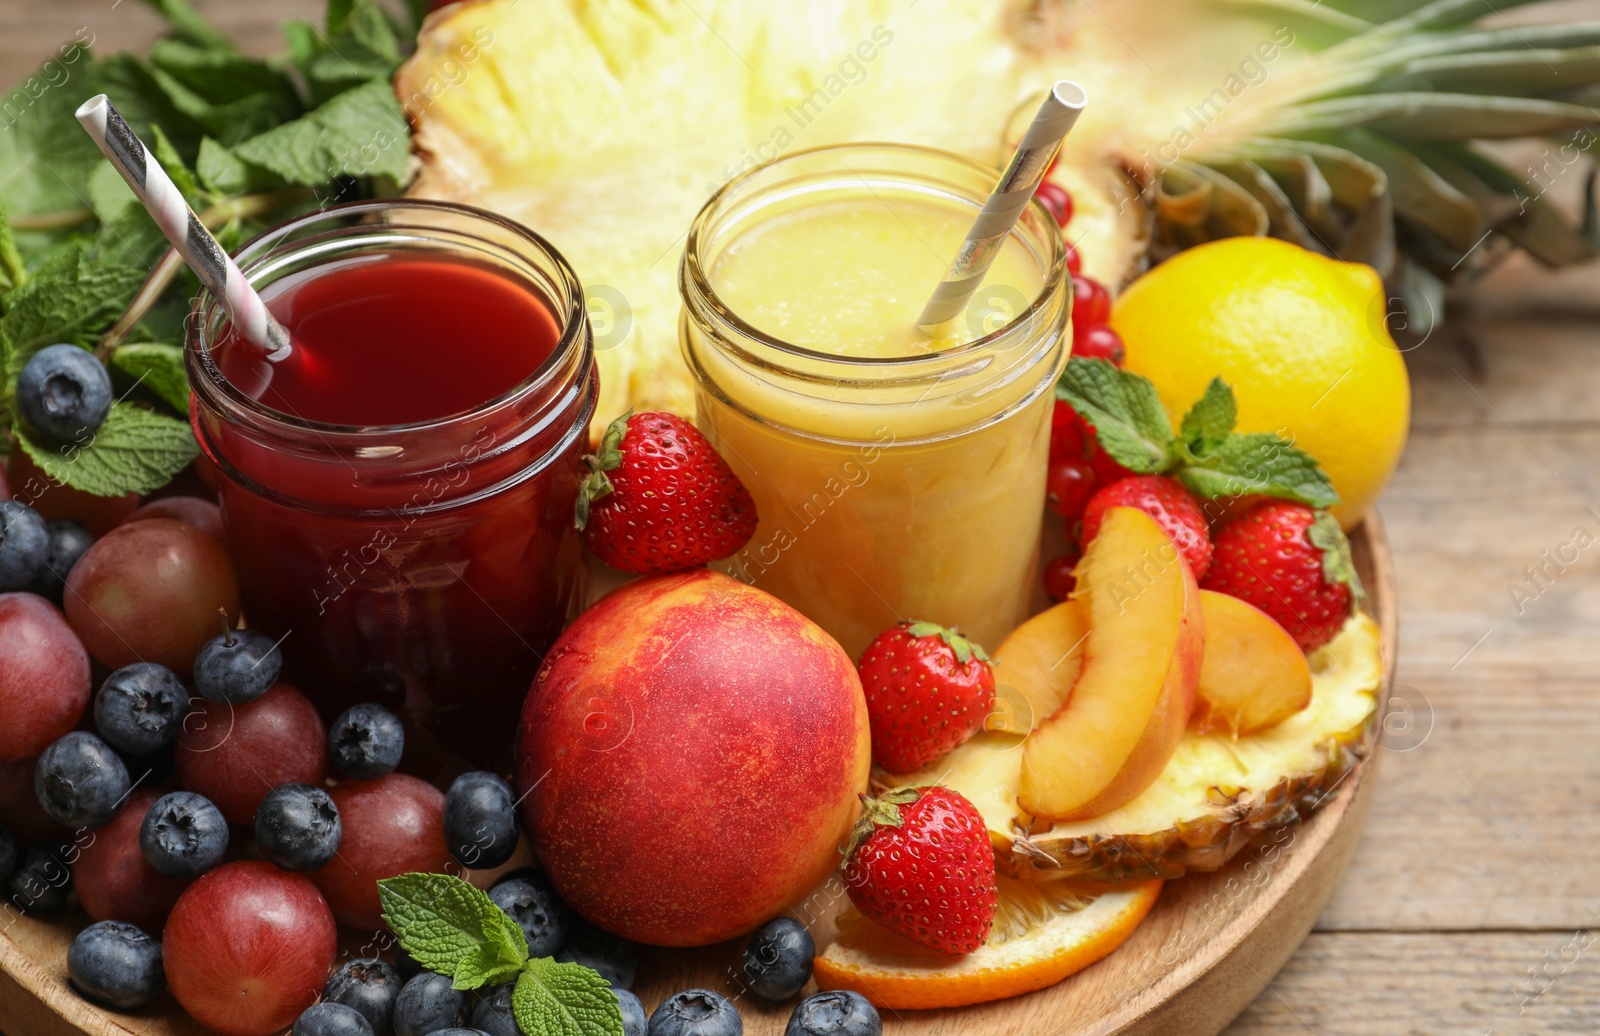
x=691 y=753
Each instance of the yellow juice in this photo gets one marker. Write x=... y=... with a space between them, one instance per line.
x=897 y=475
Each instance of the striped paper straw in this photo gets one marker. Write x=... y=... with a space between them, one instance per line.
x=1004 y=207
x=155 y=189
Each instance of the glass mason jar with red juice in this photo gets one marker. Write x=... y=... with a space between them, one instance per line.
x=398 y=491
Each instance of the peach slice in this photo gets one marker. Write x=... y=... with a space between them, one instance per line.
x=1130 y=705
x=1254 y=675
x=1036 y=666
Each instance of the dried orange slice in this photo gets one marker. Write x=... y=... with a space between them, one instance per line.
x=1043 y=932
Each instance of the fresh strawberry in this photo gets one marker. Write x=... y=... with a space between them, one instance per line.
x=928 y=690
x=659 y=498
x=1291 y=562
x=919 y=862
x=1168 y=503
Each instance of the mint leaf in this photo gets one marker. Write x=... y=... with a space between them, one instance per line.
x=1212 y=417
x=68 y=299
x=230 y=96
x=1127 y=415
x=12 y=271
x=142 y=100
x=552 y=999
x=134 y=451
x=1258 y=463
x=453 y=928
x=1338 y=565
x=187 y=24
x=158 y=368
x=108 y=193
x=45 y=156
x=361 y=132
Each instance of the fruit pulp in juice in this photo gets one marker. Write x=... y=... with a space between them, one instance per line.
x=383 y=590
x=882 y=504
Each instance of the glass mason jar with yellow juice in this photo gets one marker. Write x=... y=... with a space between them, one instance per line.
x=897 y=475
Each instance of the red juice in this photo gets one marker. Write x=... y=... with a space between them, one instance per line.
x=398 y=492
x=392 y=341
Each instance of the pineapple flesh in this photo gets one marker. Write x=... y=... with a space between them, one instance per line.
x=1215 y=796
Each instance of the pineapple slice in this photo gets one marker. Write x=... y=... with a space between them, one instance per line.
x=606 y=124
x=1215 y=796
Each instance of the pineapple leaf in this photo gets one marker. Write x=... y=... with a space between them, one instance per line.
x=1417 y=115
x=1282 y=219
x=1310 y=10
x=1420 y=195
x=1441 y=14
x=1517 y=73
x=1539 y=227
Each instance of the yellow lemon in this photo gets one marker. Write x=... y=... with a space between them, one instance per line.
x=1302 y=339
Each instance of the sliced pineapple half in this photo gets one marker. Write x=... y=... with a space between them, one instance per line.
x=1216 y=795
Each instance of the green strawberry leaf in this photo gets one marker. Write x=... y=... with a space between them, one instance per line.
x=1127 y=415
x=555 y=999
x=453 y=928
x=883 y=811
x=134 y=451
x=1338 y=565
x=596 y=485
x=964 y=649
x=1258 y=463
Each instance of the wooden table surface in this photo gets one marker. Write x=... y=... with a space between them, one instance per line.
x=1469 y=905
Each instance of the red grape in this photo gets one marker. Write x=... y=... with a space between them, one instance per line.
x=19 y=806
x=99 y=514
x=190 y=510
x=1069 y=483
x=5 y=487
x=1056 y=201
x=1060 y=577
x=392 y=825
x=1098 y=341
x=248 y=947
x=1091 y=302
x=235 y=754
x=114 y=880
x=151 y=592
x=44 y=676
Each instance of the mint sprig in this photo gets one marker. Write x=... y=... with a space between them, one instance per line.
x=1206 y=455
x=455 y=929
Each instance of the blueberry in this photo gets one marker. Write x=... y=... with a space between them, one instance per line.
x=298 y=828
x=493 y=1012
x=68 y=541
x=141 y=708
x=777 y=963
x=839 y=1013
x=330 y=1020
x=24 y=546
x=80 y=781
x=634 y=1021
x=538 y=911
x=183 y=835
x=10 y=853
x=64 y=392
x=116 y=964
x=614 y=957
x=427 y=1004
x=237 y=666
x=366 y=741
x=696 y=1012
x=458 y=1032
x=369 y=985
x=40 y=881
x=480 y=820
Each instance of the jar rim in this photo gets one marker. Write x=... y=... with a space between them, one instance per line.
x=692 y=273
x=260 y=248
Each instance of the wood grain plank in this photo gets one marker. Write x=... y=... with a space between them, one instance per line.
x=1381 y=984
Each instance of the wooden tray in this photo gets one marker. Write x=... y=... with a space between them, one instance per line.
x=1211 y=944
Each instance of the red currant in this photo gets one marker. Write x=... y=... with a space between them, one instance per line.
x=1068 y=433
x=1059 y=577
x=1091 y=302
x=1105 y=469
x=1098 y=341
x=1074 y=262
x=1069 y=483
x=1056 y=201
